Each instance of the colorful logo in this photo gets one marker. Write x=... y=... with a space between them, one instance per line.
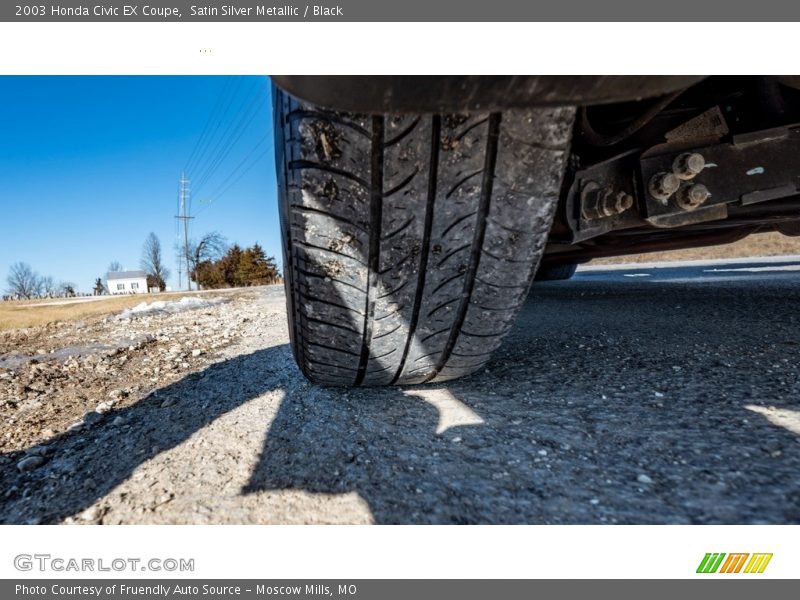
x=734 y=563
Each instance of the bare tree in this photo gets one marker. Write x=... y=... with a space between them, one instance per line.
x=114 y=266
x=153 y=262
x=48 y=286
x=67 y=289
x=23 y=281
x=210 y=247
x=99 y=288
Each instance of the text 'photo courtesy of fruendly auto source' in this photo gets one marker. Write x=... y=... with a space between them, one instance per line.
x=400 y=299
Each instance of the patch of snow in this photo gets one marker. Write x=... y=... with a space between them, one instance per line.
x=168 y=307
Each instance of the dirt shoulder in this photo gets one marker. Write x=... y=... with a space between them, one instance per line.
x=55 y=377
x=761 y=244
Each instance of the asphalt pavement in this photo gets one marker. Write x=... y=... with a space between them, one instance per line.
x=638 y=394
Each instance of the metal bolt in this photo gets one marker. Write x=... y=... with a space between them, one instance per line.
x=599 y=202
x=589 y=200
x=624 y=202
x=690 y=197
x=663 y=185
x=688 y=165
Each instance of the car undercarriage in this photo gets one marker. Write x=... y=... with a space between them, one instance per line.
x=416 y=211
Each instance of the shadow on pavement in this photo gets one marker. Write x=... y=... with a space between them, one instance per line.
x=609 y=403
x=86 y=465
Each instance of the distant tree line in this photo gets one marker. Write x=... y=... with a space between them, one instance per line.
x=26 y=284
x=214 y=265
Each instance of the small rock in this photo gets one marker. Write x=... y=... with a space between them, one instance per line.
x=168 y=402
x=37 y=451
x=103 y=407
x=118 y=421
x=30 y=463
x=642 y=478
x=542 y=452
x=75 y=426
x=196 y=352
x=91 y=514
x=594 y=501
x=92 y=417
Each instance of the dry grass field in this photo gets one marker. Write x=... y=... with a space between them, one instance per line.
x=32 y=313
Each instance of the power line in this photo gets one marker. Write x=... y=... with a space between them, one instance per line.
x=198 y=164
x=211 y=151
x=215 y=119
x=225 y=151
x=239 y=166
x=211 y=115
x=230 y=138
x=224 y=186
x=235 y=181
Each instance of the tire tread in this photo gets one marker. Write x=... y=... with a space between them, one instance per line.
x=411 y=241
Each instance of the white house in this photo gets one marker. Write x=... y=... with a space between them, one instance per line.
x=126 y=282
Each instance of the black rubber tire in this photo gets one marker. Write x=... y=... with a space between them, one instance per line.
x=410 y=242
x=556 y=272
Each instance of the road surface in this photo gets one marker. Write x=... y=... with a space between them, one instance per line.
x=625 y=395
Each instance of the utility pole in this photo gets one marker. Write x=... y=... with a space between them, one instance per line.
x=183 y=216
x=180 y=259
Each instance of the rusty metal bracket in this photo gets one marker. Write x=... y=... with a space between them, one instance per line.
x=670 y=186
x=751 y=168
x=602 y=197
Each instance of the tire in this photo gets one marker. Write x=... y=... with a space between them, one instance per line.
x=556 y=272
x=410 y=241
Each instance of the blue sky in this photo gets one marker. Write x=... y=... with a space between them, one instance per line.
x=90 y=165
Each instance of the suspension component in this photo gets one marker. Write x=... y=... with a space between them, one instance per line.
x=598 y=202
x=663 y=185
x=692 y=196
x=688 y=165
